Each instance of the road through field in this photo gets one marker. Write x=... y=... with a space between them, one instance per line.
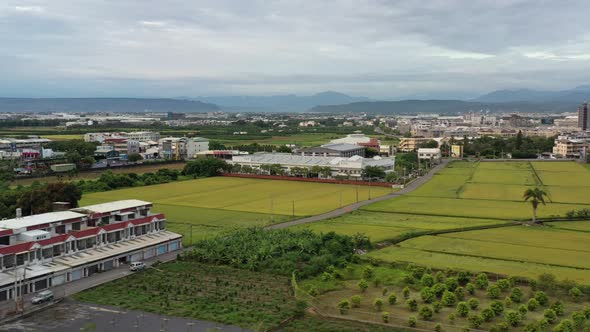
x=346 y=209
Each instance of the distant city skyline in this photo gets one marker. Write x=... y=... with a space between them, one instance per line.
x=378 y=49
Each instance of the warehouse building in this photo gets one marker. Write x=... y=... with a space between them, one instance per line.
x=45 y=250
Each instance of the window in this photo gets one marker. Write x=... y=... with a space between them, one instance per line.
x=105 y=220
x=60 y=229
x=20 y=259
x=76 y=226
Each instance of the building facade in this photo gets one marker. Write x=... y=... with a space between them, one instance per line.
x=584 y=117
x=46 y=250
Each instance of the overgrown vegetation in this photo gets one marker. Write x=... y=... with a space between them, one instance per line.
x=37 y=199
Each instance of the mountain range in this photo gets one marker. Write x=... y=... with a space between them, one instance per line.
x=575 y=95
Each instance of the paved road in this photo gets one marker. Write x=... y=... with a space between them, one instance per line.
x=346 y=209
x=72 y=316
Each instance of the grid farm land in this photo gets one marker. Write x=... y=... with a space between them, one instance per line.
x=214 y=206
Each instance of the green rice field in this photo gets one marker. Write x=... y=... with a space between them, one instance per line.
x=217 y=205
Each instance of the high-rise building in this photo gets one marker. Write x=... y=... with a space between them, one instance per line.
x=584 y=117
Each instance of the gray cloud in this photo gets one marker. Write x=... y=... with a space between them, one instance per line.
x=376 y=48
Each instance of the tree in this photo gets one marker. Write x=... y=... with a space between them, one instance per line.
x=284 y=149
x=550 y=315
x=412 y=304
x=205 y=167
x=519 y=139
x=462 y=309
x=370 y=172
x=497 y=307
x=431 y=144
x=344 y=306
x=473 y=303
x=470 y=288
x=439 y=289
x=412 y=321
x=406 y=292
x=532 y=304
x=425 y=312
x=516 y=294
x=475 y=320
x=368 y=272
x=536 y=196
x=488 y=314
x=378 y=304
x=579 y=319
x=513 y=318
x=503 y=284
x=460 y=293
x=355 y=300
x=575 y=293
x=363 y=285
x=451 y=283
x=385 y=317
x=449 y=299
x=392 y=299
x=427 y=295
x=558 y=308
x=565 y=325
x=541 y=298
x=134 y=157
x=481 y=281
x=493 y=292
x=427 y=280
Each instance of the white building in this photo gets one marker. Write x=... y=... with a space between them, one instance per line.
x=352 y=167
x=195 y=145
x=429 y=154
x=143 y=136
x=59 y=247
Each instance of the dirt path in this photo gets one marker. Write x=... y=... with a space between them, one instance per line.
x=346 y=209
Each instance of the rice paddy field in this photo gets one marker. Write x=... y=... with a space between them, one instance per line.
x=216 y=205
x=487 y=191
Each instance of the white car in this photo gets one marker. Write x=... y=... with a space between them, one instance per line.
x=41 y=297
x=137 y=266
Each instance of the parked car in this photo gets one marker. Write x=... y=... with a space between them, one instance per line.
x=42 y=297
x=137 y=266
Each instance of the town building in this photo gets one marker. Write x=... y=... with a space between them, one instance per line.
x=350 y=167
x=46 y=250
x=584 y=117
x=408 y=144
x=143 y=136
x=571 y=146
x=432 y=154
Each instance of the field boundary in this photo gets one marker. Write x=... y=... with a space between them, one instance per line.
x=537 y=177
x=313 y=180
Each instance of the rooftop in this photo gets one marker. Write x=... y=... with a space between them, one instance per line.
x=112 y=206
x=39 y=219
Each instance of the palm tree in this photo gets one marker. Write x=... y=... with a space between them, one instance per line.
x=536 y=196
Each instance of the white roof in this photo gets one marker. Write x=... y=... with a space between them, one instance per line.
x=428 y=150
x=39 y=219
x=113 y=206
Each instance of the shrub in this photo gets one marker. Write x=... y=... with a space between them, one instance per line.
x=475 y=320
x=497 y=307
x=543 y=324
x=427 y=295
x=439 y=277
x=550 y=315
x=448 y=299
x=409 y=279
x=503 y=284
x=436 y=306
x=512 y=318
x=462 y=309
x=508 y=301
x=384 y=291
x=493 y=292
x=470 y=288
x=532 y=304
x=427 y=280
x=460 y=293
x=406 y=292
x=488 y=314
x=546 y=282
x=425 y=312
x=542 y=298
x=355 y=300
x=516 y=295
x=412 y=321
x=473 y=303
x=344 y=306
x=531 y=327
x=451 y=283
x=385 y=317
x=503 y=327
x=579 y=319
x=586 y=312
x=439 y=289
x=378 y=304
x=481 y=281
x=437 y=328
x=363 y=285
x=557 y=306
x=522 y=310
x=412 y=304
x=565 y=325
x=368 y=272
x=392 y=299
x=575 y=293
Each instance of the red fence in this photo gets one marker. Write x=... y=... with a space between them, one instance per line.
x=292 y=178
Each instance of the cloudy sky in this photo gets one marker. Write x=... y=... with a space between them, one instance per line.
x=380 y=49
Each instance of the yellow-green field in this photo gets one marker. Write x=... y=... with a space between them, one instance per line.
x=63 y=137
x=217 y=205
x=382 y=226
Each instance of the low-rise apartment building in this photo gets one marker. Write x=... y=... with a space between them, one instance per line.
x=45 y=250
x=408 y=144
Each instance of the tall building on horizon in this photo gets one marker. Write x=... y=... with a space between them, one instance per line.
x=584 y=117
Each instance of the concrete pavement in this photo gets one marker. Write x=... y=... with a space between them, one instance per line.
x=349 y=208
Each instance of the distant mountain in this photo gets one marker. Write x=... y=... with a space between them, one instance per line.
x=103 y=105
x=441 y=107
x=576 y=95
x=281 y=103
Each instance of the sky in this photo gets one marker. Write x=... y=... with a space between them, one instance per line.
x=380 y=49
